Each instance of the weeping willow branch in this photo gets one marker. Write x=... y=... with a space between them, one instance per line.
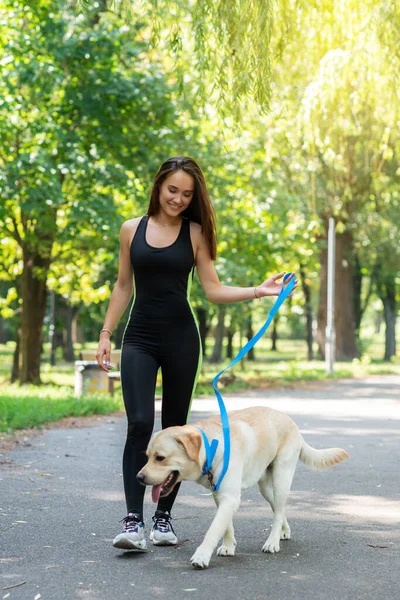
x=231 y=44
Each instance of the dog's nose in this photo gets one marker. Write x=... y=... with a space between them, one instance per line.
x=141 y=478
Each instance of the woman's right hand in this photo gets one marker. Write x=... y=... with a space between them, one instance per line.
x=103 y=353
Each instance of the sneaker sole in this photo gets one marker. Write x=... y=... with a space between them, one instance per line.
x=127 y=545
x=162 y=542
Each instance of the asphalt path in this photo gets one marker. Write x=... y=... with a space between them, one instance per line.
x=61 y=499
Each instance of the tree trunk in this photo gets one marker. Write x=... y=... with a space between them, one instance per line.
x=274 y=333
x=75 y=326
x=249 y=335
x=203 y=327
x=387 y=293
x=345 y=314
x=358 y=312
x=68 y=347
x=322 y=304
x=378 y=322
x=52 y=328
x=2 y=334
x=16 y=357
x=308 y=308
x=243 y=359
x=33 y=295
x=219 y=335
x=230 y=332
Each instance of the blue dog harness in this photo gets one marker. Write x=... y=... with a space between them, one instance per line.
x=211 y=449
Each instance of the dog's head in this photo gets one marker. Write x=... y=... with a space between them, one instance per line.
x=173 y=455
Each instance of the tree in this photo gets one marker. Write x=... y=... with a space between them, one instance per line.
x=347 y=114
x=74 y=95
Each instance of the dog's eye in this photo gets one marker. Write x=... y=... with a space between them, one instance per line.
x=160 y=458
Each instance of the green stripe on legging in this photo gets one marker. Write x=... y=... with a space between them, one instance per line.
x=189 y=287
x=130 y=312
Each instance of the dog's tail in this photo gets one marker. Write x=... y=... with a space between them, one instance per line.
x=321 y=459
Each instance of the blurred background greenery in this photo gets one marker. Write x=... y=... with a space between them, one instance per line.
x=293 y=113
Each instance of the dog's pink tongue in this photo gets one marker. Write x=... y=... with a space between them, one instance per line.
x=155 y=492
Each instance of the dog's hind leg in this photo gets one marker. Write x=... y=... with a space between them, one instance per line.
x=282 y=476
x=229 y=541
x=227 y=505
x=266 y=489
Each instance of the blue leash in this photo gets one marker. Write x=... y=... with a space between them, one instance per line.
x=212 y=448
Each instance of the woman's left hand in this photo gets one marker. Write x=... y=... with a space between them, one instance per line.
x=272 y=286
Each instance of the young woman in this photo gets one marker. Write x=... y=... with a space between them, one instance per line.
x=158 y=253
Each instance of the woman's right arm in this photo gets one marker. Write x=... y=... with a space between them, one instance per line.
x=121 y=295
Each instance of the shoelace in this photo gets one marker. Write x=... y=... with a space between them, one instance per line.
x=131 y=524
x=163 y=524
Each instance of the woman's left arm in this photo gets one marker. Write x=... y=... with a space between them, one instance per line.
x=217 y=293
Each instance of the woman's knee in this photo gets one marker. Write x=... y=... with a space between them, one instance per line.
x=140 y=428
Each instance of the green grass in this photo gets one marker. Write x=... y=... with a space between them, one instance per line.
x=30 y=406
x=286 y=373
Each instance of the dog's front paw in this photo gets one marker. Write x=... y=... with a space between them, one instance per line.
x=200 y=559
x=271 y=545
x=226 y=550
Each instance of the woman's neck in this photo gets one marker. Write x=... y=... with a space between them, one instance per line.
x=164 y=220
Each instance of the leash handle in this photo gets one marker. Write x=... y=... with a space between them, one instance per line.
x=284 y=293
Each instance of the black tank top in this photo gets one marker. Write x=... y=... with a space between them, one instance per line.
x=162 y=277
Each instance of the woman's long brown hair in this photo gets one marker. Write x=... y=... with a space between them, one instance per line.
x=200 y=210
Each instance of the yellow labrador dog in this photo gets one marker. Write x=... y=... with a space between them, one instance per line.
x=265 y=447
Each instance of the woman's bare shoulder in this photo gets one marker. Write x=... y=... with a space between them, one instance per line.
x=196 y=233
x=128 y=229
x=196 y=236
x=195 y=226
x=195 y=229
x=131 y=223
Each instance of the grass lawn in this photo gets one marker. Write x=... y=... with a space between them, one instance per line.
x=29 y=406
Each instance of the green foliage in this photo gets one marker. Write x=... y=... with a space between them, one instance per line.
x=232 y=45
x=93 y=100
x=236 y=47
x=74 y=96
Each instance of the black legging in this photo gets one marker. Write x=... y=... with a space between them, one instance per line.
x=177 y=351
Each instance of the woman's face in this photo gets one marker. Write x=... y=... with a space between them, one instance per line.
x=176 y=193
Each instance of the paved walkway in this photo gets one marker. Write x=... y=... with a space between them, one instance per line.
x=61 y=499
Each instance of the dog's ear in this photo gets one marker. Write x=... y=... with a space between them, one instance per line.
x=191 y=442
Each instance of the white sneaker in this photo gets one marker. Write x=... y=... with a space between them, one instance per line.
x=162 y=533
x=132 y=535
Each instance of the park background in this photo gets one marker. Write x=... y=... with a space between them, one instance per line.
x=292 y=111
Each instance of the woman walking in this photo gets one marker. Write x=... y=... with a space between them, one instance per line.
x=158 y=254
